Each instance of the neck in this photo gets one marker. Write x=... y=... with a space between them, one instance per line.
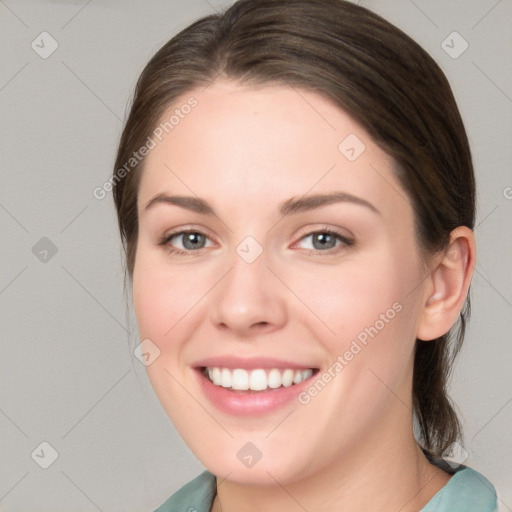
x=387 y=472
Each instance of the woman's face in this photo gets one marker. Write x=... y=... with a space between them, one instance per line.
x=301 y=263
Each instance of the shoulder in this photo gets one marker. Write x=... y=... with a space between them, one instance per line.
x=466 y=491
x=195 y=496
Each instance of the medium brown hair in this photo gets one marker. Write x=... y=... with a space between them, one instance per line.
x=382 y=79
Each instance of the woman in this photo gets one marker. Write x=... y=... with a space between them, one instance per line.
x=295 y=195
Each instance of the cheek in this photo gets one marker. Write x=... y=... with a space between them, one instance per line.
x=368 y=331
x=159 y=300
x=151 y=304
x=355 y=295
x=167 y=300
x=163 y=312
x=365 y=314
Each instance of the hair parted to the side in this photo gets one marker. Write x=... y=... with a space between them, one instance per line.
x=375 y=73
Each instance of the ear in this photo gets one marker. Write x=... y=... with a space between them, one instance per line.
x=447 y=285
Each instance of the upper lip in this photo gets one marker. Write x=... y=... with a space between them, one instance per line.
x=249 y=363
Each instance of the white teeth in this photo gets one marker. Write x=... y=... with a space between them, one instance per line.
x=216 y=377
x=225 y=378
x=287 y=378
x=240 y=379
x=274 y=378
x=256 y=380
x=301 y=375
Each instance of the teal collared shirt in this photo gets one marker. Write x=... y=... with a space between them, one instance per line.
x=466 y=491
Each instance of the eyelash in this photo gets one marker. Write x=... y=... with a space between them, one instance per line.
x=347 y=242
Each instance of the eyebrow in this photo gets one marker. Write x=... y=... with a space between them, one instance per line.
x=289 y=207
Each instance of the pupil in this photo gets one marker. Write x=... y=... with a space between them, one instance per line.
x=191 y=240
x=324 y=239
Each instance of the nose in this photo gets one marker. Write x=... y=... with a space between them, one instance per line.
x=249 y=300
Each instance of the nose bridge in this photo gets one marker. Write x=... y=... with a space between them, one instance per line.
x=249 y=295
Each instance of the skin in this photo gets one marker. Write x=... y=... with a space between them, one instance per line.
x=245 y=150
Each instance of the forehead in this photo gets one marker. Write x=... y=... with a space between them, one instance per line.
x=262 y=144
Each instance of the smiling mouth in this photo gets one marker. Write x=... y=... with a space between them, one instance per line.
x=257 y=380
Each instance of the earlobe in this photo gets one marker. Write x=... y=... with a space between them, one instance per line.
x=447 y=285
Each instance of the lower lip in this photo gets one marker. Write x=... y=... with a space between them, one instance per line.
x=249 y=403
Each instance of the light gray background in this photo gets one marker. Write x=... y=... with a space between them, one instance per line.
x=68 y=376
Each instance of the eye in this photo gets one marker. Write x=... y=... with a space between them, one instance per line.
x=191 y=241
x=326 y=241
